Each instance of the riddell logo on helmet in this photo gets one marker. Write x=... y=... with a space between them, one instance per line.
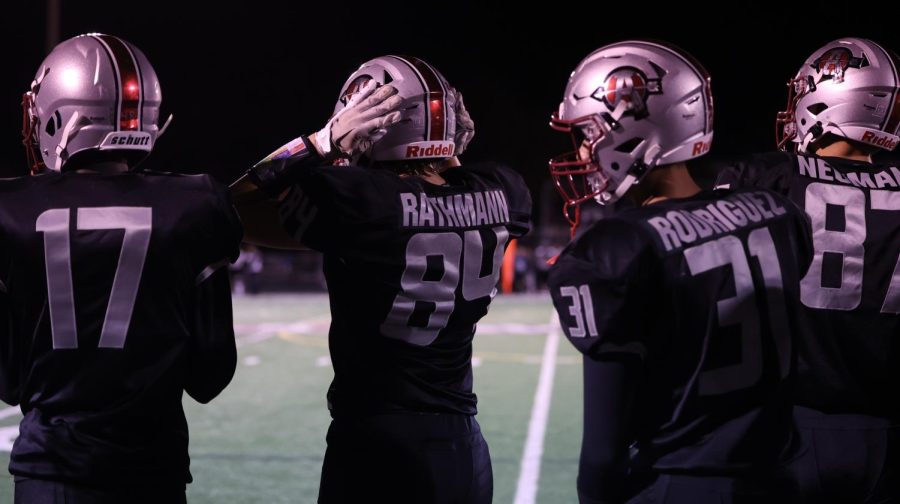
x=885 y=142
x=700 y=147
x=437 y=150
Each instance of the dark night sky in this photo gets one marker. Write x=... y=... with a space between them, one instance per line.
x=241 y=81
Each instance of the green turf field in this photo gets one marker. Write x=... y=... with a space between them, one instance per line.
x=263 y=439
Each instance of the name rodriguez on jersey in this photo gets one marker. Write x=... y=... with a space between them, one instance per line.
x=678 y=228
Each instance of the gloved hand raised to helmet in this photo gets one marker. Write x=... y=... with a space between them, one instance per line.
x=362 y=122
x=465 y=126
x=351 y=131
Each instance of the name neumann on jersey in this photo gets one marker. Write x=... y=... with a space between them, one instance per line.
x=456 y=210
x=820 y=169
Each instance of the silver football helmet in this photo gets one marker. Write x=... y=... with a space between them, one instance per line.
x=849 y=88
x=629 y=106
x=428 y=119
x=93 y=92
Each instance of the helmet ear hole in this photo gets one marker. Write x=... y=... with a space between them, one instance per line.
x=628 y=146
x=53 y=124
x=816 y=108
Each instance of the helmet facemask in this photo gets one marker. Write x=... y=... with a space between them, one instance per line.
x=786 y=130
x=29 y=135
x=577 y=174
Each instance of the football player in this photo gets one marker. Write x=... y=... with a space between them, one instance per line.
x=678 y=304
x=113 y=294
x=412 y=244
x=843 y=107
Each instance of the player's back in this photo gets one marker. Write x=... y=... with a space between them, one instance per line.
x=849 y=359
x=696 y=289
x=100 y=273
x=411 y=267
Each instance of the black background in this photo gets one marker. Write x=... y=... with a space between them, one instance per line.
x=243 y=79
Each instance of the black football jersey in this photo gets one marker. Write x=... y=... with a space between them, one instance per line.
x=411 y=267
x=101 y=279
x=698 y=290
x=849 y=350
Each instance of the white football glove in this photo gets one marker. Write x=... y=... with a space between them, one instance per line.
x=465 y=126
x=362 y=122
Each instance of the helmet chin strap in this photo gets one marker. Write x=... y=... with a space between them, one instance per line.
x=649 y=159
x=803 y=144
x=626 y=184
x=612 y=120
x=652 y=155
x=814 y=133
x=66 y=134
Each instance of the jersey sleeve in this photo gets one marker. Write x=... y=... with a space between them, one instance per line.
x=325 y=206
x=281 y=168
x=769 y=170
x=518 y=198
x=218 y=232
x=212 y=355
x=603 y=289
x=609 y=387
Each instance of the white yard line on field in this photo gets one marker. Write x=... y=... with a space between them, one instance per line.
x=526 y=489
x=10 y=433
x=8 y=412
